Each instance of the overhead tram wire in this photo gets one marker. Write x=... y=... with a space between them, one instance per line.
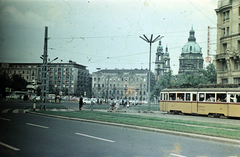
x=119 y=36
x=202 y=13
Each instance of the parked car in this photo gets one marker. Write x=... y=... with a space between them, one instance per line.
x=86 y=101
x=144 y=102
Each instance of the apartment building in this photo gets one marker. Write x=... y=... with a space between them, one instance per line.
x=228 y=42
x=63 y=78
x=131 y=84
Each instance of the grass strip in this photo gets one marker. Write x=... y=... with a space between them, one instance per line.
x=188 y=126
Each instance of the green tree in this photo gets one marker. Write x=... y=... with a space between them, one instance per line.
x=165 y=81
x=211 y=74
x=5 y=82
x=18 y=83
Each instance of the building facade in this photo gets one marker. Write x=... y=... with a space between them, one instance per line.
x=191 y=59
x=64 y=78
x=162 y=62
x=228 y=42
x=131 y=84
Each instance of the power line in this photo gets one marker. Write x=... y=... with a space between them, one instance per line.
x=202 y=12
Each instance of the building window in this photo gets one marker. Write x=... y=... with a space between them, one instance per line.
x=224 y=32
x=227 y=15
x=225 y=48
x=238 y=44
x=227 y=31
x=236 y=64
x=224 y=81
x=239 y=28
x=224 y=65
x=236 y=80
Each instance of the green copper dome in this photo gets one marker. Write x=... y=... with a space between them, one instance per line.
x=191 y=46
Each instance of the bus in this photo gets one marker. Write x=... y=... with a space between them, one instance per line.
x=215 y=102
x=17 y=94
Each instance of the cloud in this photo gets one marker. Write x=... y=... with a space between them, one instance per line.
x=25 y=19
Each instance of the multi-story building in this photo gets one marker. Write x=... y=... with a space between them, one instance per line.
x=64 y=78
x=162 y=63
x=191 y=59
x=228 y=42
x=121 y=83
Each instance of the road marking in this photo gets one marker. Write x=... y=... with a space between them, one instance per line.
x=172 y=154
x=37 y=125
x=8 y=146
x=5 y=119
x=95 y=137
x=5 y=111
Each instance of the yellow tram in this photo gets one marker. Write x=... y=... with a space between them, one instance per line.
x=224 y=102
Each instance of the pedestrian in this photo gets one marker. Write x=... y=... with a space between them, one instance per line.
x=80 y=102
x=111 y=104
x=117 y=104
x=92 y=103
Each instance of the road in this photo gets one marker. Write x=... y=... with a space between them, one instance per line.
x=32 y=135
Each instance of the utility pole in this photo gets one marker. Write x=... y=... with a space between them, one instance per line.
x=150 y=41
x=44 y=89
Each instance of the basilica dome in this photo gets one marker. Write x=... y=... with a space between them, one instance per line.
x=191 y=46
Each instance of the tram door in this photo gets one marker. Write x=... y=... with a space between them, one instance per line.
x=163 y=105
x=234 y=104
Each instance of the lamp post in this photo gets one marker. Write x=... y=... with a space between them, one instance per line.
x=150 y=41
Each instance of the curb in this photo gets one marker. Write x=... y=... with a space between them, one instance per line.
x=204 y=137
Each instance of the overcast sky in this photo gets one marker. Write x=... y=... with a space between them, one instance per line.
x=103 y=33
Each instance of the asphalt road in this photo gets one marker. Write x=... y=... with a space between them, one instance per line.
x=32 y=135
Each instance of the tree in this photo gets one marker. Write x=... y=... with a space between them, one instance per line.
x=208 y=76
x=5 y=82
x=18 y=83
x=211 y=74
x=165 y=81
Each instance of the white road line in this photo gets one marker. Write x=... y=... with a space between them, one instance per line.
x=16 y=111
x=8 y=146
x=94 y=137
x=5 y=111
x=37 y=125
x=5 y=119
x=172 y=154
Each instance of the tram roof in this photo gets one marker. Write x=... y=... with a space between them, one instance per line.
x=222 y=89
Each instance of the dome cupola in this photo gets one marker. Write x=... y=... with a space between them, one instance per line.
x=191 y=46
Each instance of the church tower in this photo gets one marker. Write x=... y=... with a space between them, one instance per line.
x=162 y=62
x=191 y=59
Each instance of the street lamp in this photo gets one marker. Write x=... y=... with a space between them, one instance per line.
x=149 y=73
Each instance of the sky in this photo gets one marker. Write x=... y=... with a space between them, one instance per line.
x=103 y=33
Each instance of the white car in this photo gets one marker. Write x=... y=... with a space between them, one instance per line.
x=86 y=101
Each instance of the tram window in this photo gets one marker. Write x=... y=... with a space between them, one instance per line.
x=221 y=97
x=232 y=98
x=188 y=96
x=194 y=97
x=210 y=97
x=238 y=97
x=172 y=96
x=201 y=97
x=180 y=96
x=165 y=96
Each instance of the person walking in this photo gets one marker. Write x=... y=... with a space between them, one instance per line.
x=80 y=102
x=111 y=104
x=117 y=104
x=92 y=103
